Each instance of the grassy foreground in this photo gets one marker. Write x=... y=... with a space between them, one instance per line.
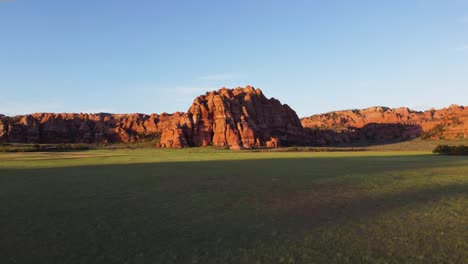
x=207 y=206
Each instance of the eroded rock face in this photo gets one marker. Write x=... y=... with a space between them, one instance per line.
x=232 y=118
x=382 y=124
x=235 y=118
x=80 y=128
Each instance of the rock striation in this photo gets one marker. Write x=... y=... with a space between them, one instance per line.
x=235 y=118
x=99 y=128
x=240 y=118
x=383 y=124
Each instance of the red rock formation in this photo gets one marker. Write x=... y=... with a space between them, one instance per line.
x=80 y=128
x=235 y=118
x=385 y=124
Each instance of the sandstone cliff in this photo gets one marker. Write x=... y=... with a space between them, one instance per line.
x=382 y=124
x=238 y=118
x=235 y=118
x=81 y=128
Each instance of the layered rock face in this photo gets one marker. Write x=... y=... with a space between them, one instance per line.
x=235 y=118
x=238 y=118
x=382 y=124
x=81 y=128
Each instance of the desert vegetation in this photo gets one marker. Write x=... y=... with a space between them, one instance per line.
x=6 y=147
x=451 y=150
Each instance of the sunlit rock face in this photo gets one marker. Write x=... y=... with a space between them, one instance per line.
x=81 y=128
x=383 y=124
x=235 y=118
x=240 y=118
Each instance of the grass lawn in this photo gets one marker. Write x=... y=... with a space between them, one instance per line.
x=208 y=206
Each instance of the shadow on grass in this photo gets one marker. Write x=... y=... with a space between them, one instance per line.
x=169 y=212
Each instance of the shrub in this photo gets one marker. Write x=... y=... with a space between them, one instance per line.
x=436 y=132
x=451 y=150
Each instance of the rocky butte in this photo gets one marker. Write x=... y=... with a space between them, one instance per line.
x=238 y=118
x=235 y=118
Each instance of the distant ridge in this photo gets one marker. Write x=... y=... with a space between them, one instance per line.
x=375 y=123
x=238 y=118
x=235 y=118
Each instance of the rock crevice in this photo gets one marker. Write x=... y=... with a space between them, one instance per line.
x=238 y=118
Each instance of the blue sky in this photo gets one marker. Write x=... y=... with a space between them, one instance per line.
x=156 y=56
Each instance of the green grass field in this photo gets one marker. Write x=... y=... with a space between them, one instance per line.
x=211 y=206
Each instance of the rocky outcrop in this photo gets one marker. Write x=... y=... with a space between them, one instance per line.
x=382 y=124
x=235 y=118
x=81 y=128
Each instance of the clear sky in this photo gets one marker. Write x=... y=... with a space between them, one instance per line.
x=127 y=56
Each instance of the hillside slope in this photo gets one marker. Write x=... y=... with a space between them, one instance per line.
x=239 y=118
x=383 y=124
